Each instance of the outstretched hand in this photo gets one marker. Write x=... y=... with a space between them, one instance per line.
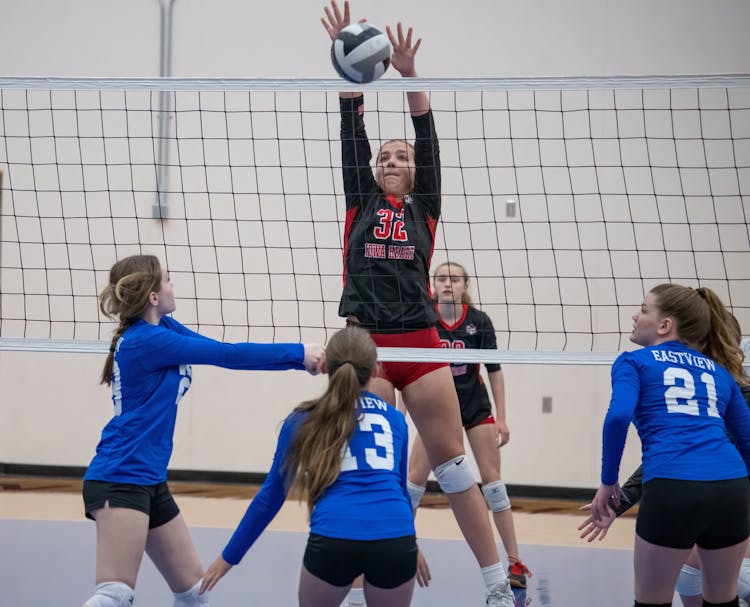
x=402 y=58
x=214 y=573
x=334 y=21
x=591 y=529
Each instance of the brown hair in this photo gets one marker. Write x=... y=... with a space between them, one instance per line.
x=131 y=281
x=314 y=457
x=703 y=322
x=465 y=297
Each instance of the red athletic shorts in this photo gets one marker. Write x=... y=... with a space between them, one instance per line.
x=402 y=374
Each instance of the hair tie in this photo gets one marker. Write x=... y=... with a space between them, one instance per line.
x=112 y=349
x=343 y=362
x=701 y=291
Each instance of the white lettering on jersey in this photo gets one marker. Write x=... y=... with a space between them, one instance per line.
x=380 y=458
x=685 y=392
x=186 y=371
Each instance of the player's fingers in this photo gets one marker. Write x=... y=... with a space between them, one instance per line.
x=391 y=37
x=408 y=36
x=416 y=45
x=400 y=29
x=336 y=10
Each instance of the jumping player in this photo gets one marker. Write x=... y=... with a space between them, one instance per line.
x=464 y=326
x=124 y=488
x=679 y=390
x=389 y=237
x=347 y=453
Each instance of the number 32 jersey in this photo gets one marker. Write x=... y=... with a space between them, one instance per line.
x=388 y=244
x=682 y=404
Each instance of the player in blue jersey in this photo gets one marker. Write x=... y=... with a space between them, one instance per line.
x=346 y=452
x=124 y=488
x=464 y=326
x=389 y=236
x=689 y=584
x=680 y=392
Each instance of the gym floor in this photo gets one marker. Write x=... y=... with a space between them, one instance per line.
x=48 y=550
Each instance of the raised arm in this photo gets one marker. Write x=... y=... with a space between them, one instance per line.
x=402 y=61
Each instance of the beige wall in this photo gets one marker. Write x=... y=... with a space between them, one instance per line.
x=51 y=409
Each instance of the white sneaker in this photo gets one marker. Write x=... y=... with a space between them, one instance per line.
x=501 y=596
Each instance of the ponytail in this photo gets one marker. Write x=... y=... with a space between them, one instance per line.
x=722 y=344
x=131 y=282
x=313 y=462
x=703 y=322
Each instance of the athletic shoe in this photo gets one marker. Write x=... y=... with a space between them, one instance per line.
x=517 y=573
x=742 y=603
x=501 y=596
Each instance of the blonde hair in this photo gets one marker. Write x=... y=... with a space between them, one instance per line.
x=131 y=281
x=465 y=297
x=314 y=458
x=703 y=322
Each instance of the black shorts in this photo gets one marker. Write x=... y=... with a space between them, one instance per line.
x=384 y=563
x=678 y=514
x=154 y=500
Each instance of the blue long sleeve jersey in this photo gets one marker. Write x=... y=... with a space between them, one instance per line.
x=151 y=374
x=368 y=500
x=682 y=404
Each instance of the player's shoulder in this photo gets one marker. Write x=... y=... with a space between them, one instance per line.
x=477 y=316
x=375 y=403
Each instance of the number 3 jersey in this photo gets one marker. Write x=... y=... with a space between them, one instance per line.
x=388 y=244
x=151 y=374
x=368 y=500
x=682 y=404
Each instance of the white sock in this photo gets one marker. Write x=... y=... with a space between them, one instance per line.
x=191 y=598
x=356 y=596
x=493 y=575
x=743 y=584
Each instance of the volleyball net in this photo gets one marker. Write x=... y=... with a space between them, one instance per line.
x=565 y=199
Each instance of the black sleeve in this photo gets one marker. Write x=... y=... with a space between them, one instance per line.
x=355 y=153
x=630 y=493
x=488 y=341
x=427 y=185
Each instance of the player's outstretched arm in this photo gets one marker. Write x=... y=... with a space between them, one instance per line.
x=402 y=60
x=333 y=22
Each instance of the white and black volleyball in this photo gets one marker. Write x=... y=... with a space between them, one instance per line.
x=361 y=53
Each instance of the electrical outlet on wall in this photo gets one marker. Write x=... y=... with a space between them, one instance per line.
x=546 y=404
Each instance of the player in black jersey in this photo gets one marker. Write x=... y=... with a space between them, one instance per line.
x=388 y=242
x=464 y=326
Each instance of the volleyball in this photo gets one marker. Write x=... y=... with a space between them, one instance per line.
x=361 y=53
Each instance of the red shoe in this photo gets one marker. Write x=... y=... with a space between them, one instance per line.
x=517 y=573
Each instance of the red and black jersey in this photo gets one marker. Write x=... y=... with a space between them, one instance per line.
x=388 y=244
x=473 y=330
